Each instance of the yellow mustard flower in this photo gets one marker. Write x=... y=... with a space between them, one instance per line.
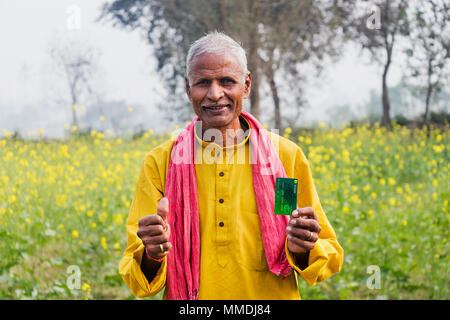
x=103 y=243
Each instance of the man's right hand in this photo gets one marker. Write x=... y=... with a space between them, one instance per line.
x=154 y=231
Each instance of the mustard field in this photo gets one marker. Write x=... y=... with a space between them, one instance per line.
x=64 y=205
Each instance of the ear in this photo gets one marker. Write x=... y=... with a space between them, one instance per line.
x=247 y=85
x=188 y=88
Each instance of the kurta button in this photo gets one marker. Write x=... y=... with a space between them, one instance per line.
x=221 y=200
x=221 y=174
x=221 y=224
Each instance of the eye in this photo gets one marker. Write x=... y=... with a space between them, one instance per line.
x=202 y=82
x=227 y=81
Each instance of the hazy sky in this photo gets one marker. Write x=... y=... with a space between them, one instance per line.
x=28 y=27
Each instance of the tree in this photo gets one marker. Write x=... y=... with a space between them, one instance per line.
x=278 y=36
x=297 y=33
x=169 y=26
x=380 y=38
x=77 y=63
x=429 y=48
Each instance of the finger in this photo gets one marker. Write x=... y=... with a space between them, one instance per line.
x=155 y=249
x=309 y=224
x=162 y=238
x=167 y=246
x=150 y=231
x=301 y=243
x=151 y=219
x=307 y=212
x=163 y=209
x=295 y=248
x=302 y=234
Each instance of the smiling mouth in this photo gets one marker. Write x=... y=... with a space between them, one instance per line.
x=217 y=108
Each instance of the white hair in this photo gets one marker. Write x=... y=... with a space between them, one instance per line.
x=219 y=43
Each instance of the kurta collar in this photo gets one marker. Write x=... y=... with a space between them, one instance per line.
x=235 y=146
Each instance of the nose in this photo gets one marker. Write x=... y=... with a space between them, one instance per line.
x=215 y=92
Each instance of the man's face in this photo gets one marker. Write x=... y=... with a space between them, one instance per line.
x=217 y=90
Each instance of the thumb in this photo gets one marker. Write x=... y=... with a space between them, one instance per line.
x=163 y=209
x=294 y=214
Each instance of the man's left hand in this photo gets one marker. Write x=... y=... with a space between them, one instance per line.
x=302 y=231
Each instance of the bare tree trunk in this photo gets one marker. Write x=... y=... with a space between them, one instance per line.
x=270 y=69
x=276 y=101
x=74 y=112
x=221 y=7
x=388 y=45
x=428 y=97
x=254 y=59
x=74 y=117
x=427 y=105
x=386 y=119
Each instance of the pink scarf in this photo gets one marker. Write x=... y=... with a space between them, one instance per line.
x=183 y=261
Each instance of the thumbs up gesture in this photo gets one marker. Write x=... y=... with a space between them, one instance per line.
x=154 y=231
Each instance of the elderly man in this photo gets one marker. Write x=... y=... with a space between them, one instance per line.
x=202 y=221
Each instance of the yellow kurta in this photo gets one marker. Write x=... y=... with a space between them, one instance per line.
x=233 y=263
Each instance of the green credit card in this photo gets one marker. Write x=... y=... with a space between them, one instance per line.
x=285 y=195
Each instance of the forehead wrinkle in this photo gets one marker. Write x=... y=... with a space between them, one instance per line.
x=225 y=67
x=214 y=73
